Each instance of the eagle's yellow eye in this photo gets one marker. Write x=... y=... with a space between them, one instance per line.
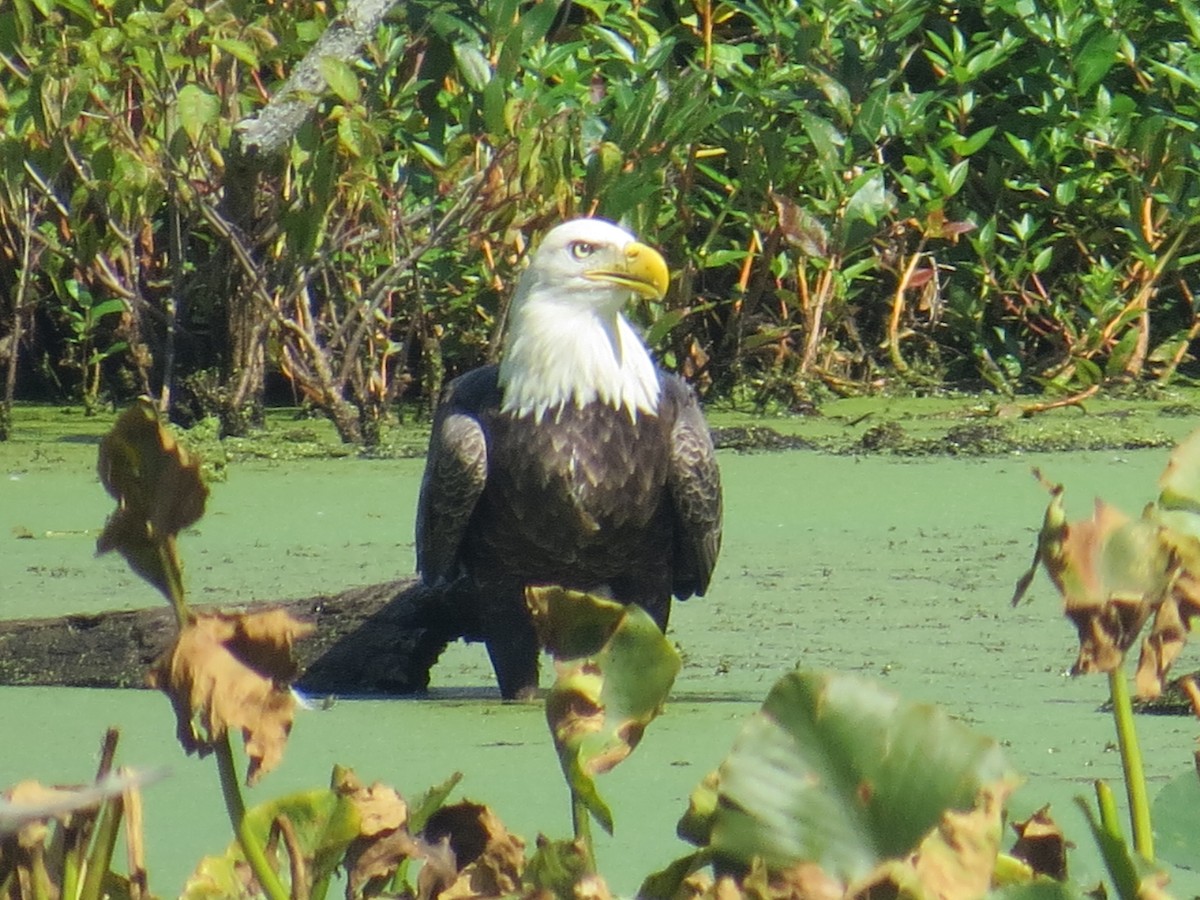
x=582 y=249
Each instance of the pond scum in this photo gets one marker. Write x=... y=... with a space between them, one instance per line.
x=834 y=789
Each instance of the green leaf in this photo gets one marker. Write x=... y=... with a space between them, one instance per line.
x=970 y=145
x=869 y=121
x=615 y=669
x=240 y=50
x=430 y=155
x=1043 y=889
x=664 y=325
x=836 y=771
x=340 y=77
x=473 y=66
x=324 y=822
x=870 y=202
x=1096 y=57
x=106 y=308
x=430 y=802
x=198 y=109
x=1176 y=816
x=827 y=141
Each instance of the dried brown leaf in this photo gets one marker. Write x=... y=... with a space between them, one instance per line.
x=371 y=862
x=1113 y=572
x=159 y=492
x=384 y=841
x=228 y=671
x=380 y=807
x=1159 y=650
x=956 y=859
x=489 y=859
x=1040 y=843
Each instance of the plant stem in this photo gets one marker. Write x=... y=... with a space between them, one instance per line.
x=236 y=807
x=175 y=593
x=1131 y=764
x=104 y=843
x=581 y=820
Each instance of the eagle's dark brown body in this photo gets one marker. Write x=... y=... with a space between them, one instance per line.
x=588 y=498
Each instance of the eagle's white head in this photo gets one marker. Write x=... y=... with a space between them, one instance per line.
x=567 y=340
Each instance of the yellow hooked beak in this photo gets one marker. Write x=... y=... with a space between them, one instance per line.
x=645 y=272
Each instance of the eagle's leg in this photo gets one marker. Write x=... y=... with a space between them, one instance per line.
x=513 y=647
x=660 y=612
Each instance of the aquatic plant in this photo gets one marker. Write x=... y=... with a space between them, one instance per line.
x=1116 y=573
x=834 y=789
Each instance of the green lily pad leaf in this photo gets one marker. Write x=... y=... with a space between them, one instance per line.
x=837 y=772
x=1176 y=838
x=159 y=492
x=615 y=669
x=323 y=824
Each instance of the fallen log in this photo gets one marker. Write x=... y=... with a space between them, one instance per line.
x=375 y=639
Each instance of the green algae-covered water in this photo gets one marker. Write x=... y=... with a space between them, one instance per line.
x=893 y=566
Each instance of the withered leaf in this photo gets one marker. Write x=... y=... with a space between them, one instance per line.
x=956 y=859
x=1113 y=573
x=380 y=807
x=159 y=492
x=799 y=227
x=228 y=671
x=1040 y=843
x=383 y=841
x=488 y=858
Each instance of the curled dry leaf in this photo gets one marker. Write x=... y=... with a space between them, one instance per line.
x=229 y=671
x=1117 y=573
x=159 y=492
x=803 y=881
x=489 y=860
x=1040 y=843
x=383 y=841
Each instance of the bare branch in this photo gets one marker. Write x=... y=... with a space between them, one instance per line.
x=266 y=133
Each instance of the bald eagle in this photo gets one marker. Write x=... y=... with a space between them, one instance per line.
x=575 y=462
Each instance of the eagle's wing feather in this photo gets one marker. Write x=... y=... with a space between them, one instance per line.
x=694 y=482
x=456 y=470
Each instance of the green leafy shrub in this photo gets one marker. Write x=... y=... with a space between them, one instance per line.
x=855 y=194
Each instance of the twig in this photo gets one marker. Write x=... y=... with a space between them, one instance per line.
x=1030 y=410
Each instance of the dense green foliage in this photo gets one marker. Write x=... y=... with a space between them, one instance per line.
x=850 y=193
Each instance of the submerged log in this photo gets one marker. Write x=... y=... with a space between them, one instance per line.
x=375 y=639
